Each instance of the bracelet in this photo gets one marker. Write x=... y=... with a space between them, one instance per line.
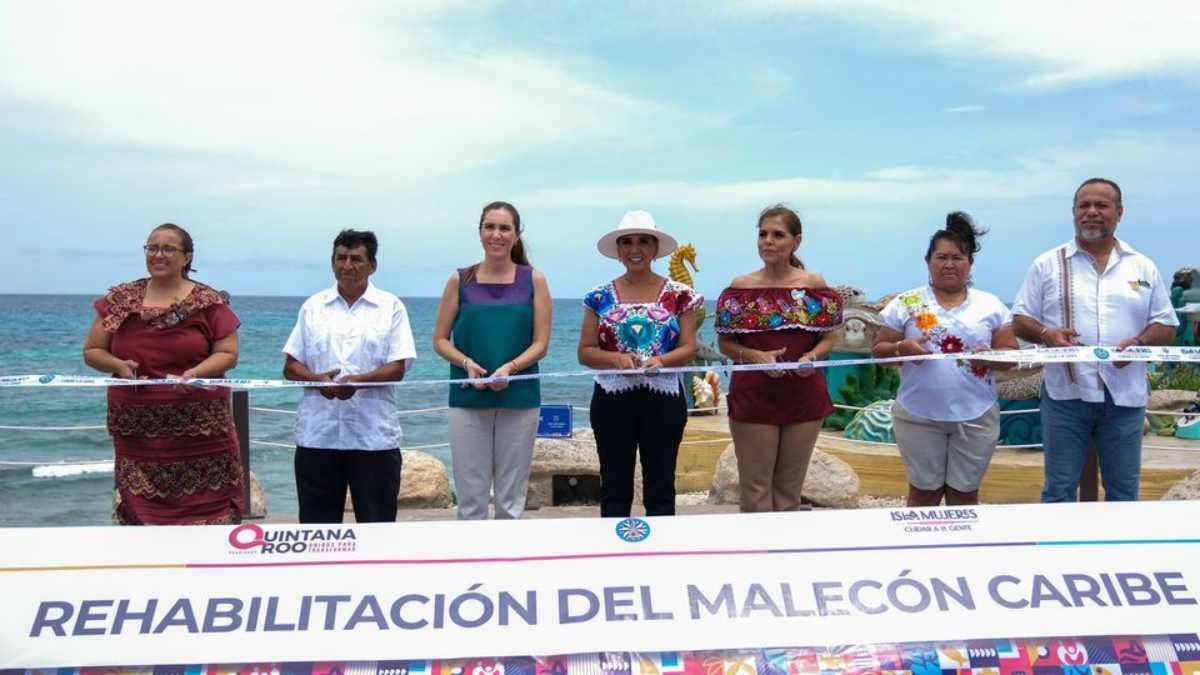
x=463 y=365
x=898 y=347
x=513 y=363
x=1042 y=335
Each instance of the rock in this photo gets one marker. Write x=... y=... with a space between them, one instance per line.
x=258 y=498
x=725 y=488
x=576 y=455
x=830 y=481
x=1166 y=399
x=877 y=502
x=1019 y=385
x=556 y=457
x=873 y=423
x=424 y=483
x=1170 y=399
x=1188 y=488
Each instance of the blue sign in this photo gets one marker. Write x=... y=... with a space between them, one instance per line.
x=554 y=421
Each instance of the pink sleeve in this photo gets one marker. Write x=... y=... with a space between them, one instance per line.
x=102 y=307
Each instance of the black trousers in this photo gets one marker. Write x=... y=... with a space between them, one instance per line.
x=629 y=421
x=322 y=477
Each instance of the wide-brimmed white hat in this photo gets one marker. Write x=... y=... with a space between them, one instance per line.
x=637 y=222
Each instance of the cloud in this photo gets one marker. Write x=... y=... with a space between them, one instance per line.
x=880 y=187
x=900 y=173
x=315 y=92
x=1066 y=41
x=965 y=109
x=1051 y=171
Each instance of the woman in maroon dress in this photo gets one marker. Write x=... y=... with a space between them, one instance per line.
x=177 y=459
x=780 y=313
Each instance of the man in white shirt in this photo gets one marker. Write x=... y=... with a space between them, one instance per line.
x=349 y=436
x=1094 y=290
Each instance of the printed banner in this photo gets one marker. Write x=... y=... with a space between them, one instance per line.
x=449 y=590
x=1037 y=356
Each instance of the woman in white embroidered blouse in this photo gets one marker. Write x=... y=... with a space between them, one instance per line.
x=945 y=415
x=639 y=321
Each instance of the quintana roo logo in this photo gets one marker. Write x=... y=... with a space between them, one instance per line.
x=246 y=536
x=633 y=530
x=46 y=379
x=1101 y=353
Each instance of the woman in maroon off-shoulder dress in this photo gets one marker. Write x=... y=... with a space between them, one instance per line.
x=780 y=313
x=177 y=459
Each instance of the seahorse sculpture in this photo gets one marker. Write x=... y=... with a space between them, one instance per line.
x=679 y=272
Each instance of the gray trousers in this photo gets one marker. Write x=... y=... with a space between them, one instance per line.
x=492 y=449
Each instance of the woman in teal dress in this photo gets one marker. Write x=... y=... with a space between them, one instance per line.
x=494 y=321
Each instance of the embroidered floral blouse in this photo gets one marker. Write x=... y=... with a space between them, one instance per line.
x=642 y=328
x=946 y=391
x=751 y=310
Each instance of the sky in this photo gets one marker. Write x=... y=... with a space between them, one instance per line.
x=266 y=127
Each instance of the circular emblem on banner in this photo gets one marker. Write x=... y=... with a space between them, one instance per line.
x=633 y=530
x=46 y=379
x=1100 y=353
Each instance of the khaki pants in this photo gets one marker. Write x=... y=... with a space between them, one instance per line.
x=772 y=463
x=946 y=453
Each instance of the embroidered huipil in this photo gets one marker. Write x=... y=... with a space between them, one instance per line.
x=176 y=453
x=1064 y=290
x=946 y=391
x=643 y=328
x=767 y=319
x=354 y=339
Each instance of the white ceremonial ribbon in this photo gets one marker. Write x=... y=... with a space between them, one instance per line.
x=1021 y=357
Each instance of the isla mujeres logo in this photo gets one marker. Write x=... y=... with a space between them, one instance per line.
x=633 y=530
x=46 y=379
x=255 y=540
x=935 y=520
x=1101 y=353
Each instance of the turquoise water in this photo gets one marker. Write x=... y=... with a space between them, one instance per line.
x=44 y=333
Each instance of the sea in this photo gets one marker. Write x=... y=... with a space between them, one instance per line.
x=44 y=334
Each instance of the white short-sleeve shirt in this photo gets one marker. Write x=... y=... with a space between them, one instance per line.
x=946 y=391
x=354 y=339
x=1064 y=290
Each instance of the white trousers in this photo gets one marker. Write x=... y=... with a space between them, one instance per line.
x=492 y=449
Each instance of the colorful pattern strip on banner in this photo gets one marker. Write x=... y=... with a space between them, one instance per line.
x=1021 y=357
x=1174 y=654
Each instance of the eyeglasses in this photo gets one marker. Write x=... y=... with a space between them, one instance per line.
x=167 y=251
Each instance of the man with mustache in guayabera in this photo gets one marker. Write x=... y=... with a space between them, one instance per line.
x=1094 y=290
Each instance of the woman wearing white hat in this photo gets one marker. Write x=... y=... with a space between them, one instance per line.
x=640 y=320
